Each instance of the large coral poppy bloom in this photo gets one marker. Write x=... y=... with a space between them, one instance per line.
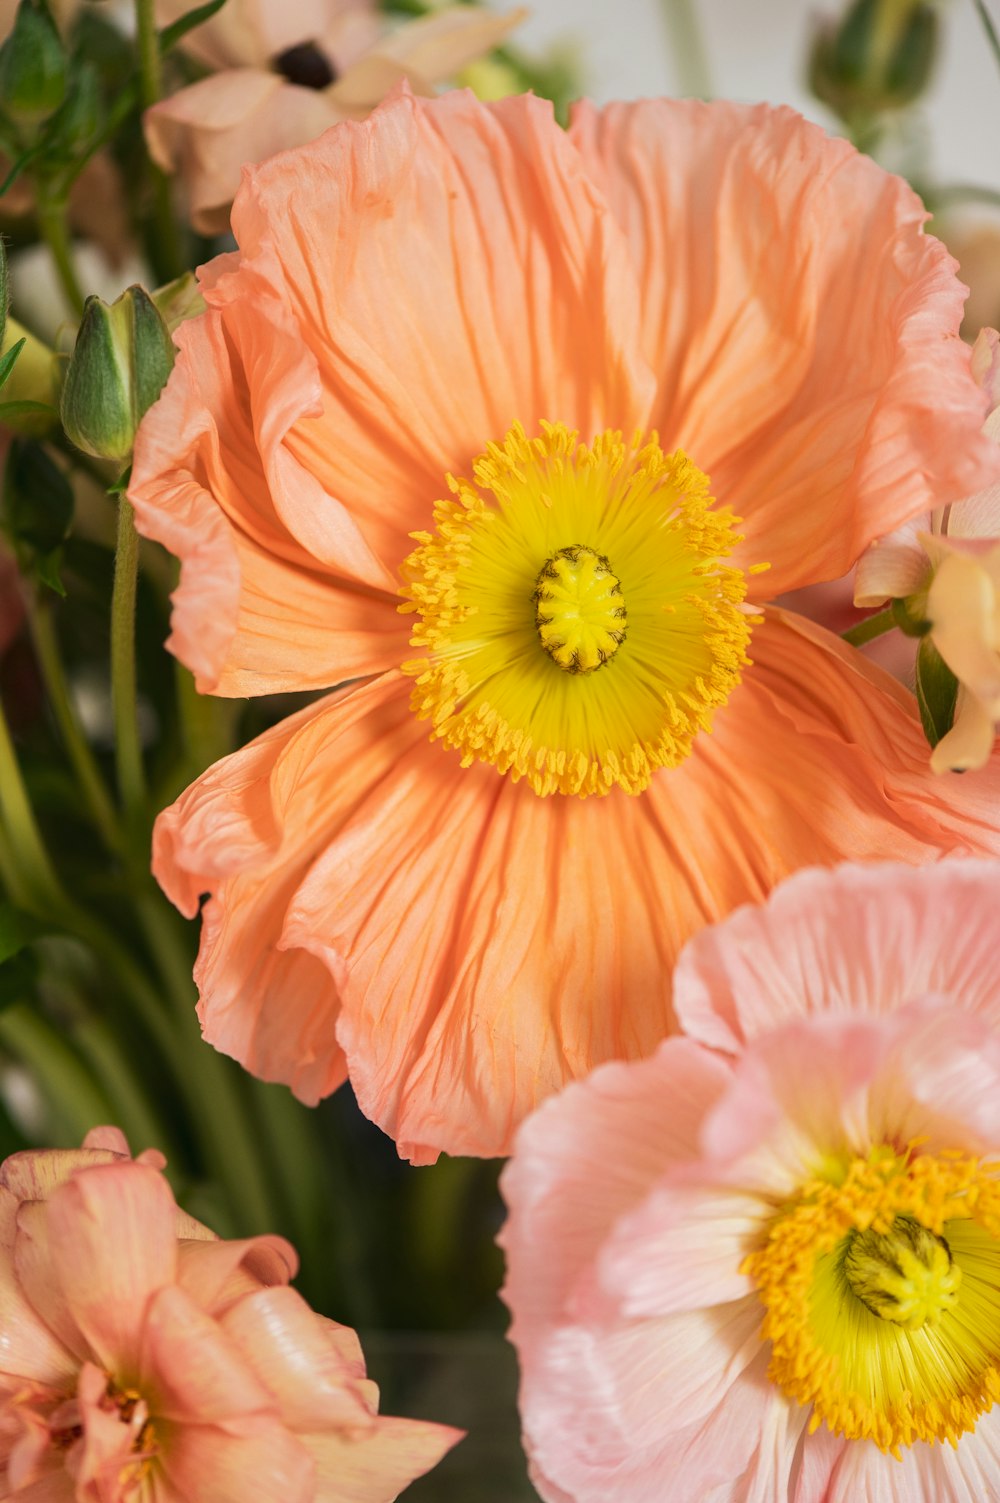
x=441 y=917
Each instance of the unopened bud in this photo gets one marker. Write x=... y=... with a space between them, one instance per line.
x=32 y=66
x=75 y=126
x=878 y=57
x=122 y=359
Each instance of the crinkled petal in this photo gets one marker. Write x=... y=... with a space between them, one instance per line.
x=512 y=296
x=803 y=328
x=246 y=832
x=969 y=1473
x=256 y=611
x=216 y=1274
x=787 y=958
x=586 y=1157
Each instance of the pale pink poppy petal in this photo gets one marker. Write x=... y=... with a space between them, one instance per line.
x=255 y=611
x=586 y=1157
x=112 y=1244
x=785 y=959
x=806 y=345
x=924 y=1473
x=942 y=1080
x=374 y=1466
x=289 y=1348
x=483 y=222
x=681 y=1249
x=251 y=1460
x=711 y=1453
x=192 y=1371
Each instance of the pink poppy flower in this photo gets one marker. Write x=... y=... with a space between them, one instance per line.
x=143 y=1359
x=764 y=1264
x=465 y=879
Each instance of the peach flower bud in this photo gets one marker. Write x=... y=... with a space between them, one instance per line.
x=142 y=1357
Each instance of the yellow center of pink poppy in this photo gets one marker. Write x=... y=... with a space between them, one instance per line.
x=880 y=1283
x=577 y=622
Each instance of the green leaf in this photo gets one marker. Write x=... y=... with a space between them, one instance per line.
x=46 y=567
x=937 y=691
x=17 y=929
x=37 y=497
x=171 y=35
x=25 y=408
x=7 y=362
x=18 y=963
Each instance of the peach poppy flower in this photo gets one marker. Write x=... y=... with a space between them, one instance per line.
x=436 y=913
x=141 y=1358
x=786 y=1287
x=209 y=131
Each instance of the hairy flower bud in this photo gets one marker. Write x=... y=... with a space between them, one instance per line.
x=122 y=359
x=878 y=57
x=32 y=66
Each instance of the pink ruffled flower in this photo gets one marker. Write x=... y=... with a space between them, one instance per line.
x=764 y=1264
x=141 y=1358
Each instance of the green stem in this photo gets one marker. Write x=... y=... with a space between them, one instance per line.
x=688 y=47
x=989 y=28
x=33 y=874
x=51 y=215
x=75 y=1100
x=166 y=246
x=871 y=627
x=142 y=1125
x=82 y=758
x=128 y=748
x=208 y=1079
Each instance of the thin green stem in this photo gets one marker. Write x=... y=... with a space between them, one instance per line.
x=209 y=1081
x=167 y=246
x=85 y=767
x=51 y=215
x=128 y=747
x=75 y=1100
x=989 y=28
x=143 y=1126
x=688 y=47
x=35 y=875
x=871 y=627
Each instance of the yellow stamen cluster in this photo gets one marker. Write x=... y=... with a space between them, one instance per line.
x=559 y=559
x=882 y=1295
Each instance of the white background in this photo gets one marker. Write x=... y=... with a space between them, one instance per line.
x=757 y=50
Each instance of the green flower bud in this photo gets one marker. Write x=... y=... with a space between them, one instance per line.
x=878 y=57
x=75 y=126
x=32 y=66
x=122 y=359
